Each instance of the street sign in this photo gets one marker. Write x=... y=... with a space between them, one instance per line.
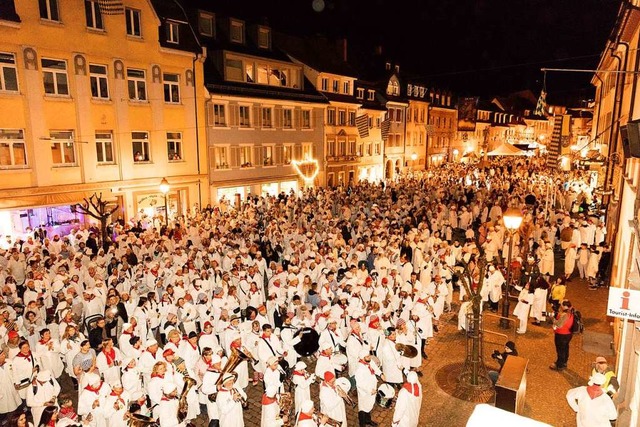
x=624 y=303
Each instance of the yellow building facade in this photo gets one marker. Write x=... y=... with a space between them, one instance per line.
x=95 y=103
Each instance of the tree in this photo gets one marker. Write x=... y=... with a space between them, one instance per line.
x=474 y=378
x=99 y=209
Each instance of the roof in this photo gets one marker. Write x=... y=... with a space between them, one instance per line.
x=317 y=52
x=173 y=11
x=506 y=149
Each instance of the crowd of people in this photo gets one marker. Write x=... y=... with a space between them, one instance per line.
x=341 y=287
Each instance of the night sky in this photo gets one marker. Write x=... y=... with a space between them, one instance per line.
x=481 y=47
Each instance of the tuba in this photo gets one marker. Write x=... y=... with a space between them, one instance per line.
x=183 y=406
x=234 y=360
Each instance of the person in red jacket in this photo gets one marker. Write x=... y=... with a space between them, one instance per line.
x=562 y=331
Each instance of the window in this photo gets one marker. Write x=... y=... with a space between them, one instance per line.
x=371 y=95
x=346 y=88
x=266 y=117
x=172 y=29
x=8 y=73
x=267 y=155
x=360 y=93
x=140 y=146
x=54 y=73
x=336 y=86
x=63 y=150
x=331 y=148
x=331 y=116
x=99 y=82
x=171 y=88
x=264 y=38
x=325 y=84
x=219 y=116
x=137 y=85
x=205 y=24
x=287 y=118
x=93 y=15
x=233 y=68
x=287 y=154
x=342 y=147
x=246 y=156
x=244 y=116
x=307 y=151
x=352 y=118
x=221 y=155
x=174 y=146
x=49 y=10
x=133 y=22
x=13 y=153
x=104 y=147
x=342 y=117
x=237 y=31
x=306 y=119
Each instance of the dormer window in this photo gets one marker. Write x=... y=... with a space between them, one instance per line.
x=172 y=29
x=387 y=66
x=205 y=24
x=264 y=38
x=236 y=32
x=371 y=94
x=360 y=93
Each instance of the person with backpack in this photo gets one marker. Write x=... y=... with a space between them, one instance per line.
x=562 y=328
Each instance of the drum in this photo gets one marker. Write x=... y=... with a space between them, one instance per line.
x=385 y=395
x=308 y=341
x=340 y=359
x=344 y=384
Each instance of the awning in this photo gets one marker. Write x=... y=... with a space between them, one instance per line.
x=40 y=200
x=506 y=150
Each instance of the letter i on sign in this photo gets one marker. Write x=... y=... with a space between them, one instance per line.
x=625 y=300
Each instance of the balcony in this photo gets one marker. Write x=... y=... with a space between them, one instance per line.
x=347 y=158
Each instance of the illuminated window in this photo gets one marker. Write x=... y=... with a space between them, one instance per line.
x=174 y=146
x=8 y=73
x=287 y=118
x=140 y=147
x=13 y=152
x=63 y=150
x=172 y=32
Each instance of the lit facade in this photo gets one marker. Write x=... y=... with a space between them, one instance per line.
x=617 y=104
x=262 y=116
x=417 y=114
x=97 y=103
x=442 y=127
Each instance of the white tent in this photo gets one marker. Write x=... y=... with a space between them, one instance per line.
x=486 y=415
x=506 y=149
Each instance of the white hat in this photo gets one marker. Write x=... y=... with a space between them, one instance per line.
x=150 y=343
x=272 y=360
x=364 y=352
x=115 y=384
x=299 y=366
x=412 y=377
x=44 y=376
x=597 y=379
x=169 y=387
x=306 y=406
x=228 y=377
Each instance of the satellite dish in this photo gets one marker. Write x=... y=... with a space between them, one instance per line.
x=318 y=5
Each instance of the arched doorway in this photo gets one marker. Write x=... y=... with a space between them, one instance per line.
x=388 y=170
x=398 y=166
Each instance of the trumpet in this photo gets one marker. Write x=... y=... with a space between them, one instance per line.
x=249 y=355
x=238 y=397
x=318 y=418
x=347 y=399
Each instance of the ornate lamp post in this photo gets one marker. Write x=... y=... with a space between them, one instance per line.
x=512 y=221
x=164 y=189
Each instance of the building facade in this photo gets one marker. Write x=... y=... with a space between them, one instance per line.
x=442 y=127
x=416 y=139
x=94 y=103
x=264 y=118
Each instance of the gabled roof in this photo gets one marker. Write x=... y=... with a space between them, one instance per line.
x=319 y=53
x=172 y=11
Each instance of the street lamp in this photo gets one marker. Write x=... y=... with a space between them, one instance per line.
x=414 y=157
x=164 y=189
x=512 y=221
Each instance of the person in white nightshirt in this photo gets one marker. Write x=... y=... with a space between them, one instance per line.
x=229 y=403
x=48 y=352
x=92 y=401
x=525 y=300
x=408 y=403
x=593 y=407
x=331 y=404
x=42 y=393
x=10 y=399
x=302 y=380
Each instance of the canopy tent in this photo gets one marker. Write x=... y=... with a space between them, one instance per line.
x=484 y=415
x=506 y=149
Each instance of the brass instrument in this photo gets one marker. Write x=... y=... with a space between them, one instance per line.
x=139 y=420
x=342 y=393
x=286 y=405
x=238 y=398
x=317 y=417
x=234 y=360
x=249 y=355
x=183 y=406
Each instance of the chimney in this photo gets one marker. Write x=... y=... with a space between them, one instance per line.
x=344 y=49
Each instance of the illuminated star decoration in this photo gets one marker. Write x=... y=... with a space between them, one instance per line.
x=307 y=169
